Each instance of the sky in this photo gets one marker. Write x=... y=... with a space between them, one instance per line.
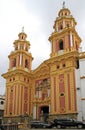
x=37 y=17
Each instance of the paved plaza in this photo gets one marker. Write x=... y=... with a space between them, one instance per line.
x=52 y=129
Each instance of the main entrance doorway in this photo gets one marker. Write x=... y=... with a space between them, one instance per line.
x=44 y=113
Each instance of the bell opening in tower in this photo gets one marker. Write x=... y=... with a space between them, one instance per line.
x=61 y=45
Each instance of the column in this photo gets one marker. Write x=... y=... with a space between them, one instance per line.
x=49 y=108
x=56 y=27
x=34 y=112
x=63 y=23
x=18 y=46
x=24 y=46
x=71 y=44
x=72 y=23
x=20 y=59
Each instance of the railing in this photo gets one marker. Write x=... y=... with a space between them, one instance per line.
x=10 y=126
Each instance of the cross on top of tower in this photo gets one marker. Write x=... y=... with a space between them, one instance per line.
x=23 y=29
x=63 y=4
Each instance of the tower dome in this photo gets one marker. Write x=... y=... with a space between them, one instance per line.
x=64 y=19
x=64 y=11
x=64 y=38
x=22 y=35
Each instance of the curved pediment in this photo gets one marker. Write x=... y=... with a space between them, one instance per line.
x=41 y=70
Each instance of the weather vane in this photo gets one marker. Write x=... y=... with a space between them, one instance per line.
x=63 y=4
x=23 y=29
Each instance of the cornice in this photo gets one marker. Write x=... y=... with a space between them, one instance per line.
x=14 y=53
x=16 y=83
x=22 y=41
x=82 y=98
x=15 y=72
x=82 y=55
x=65 y=56
x=66 y=17
x=40 y=101
x=82 y=77
x=63 y=31
x=42 y=70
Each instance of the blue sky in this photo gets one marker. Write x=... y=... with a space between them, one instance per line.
x=37 y=17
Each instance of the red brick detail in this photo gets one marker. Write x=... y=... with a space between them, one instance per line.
x=21 y=99
x=69 y=41
x=30 y=100
x=61 y=83
x=14 y=99
x=18 y=88
x=69 y=94
x=55 y=94
x=73 y=40
x=6 y=101
x=62 y=102
x=25 y=99
x=61 y=90
x=11 y=101
x=57 y=47
x=74 y=91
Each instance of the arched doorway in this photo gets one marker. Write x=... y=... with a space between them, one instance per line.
x=44 y=110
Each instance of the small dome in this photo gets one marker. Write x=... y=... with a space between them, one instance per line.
x=64 y=12
x=22 y=35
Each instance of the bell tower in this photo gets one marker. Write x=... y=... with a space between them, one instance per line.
x=64 y=39
x=64 y=65
x=18 y=78
x=20 y=58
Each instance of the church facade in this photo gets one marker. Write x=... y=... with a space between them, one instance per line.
x=55 y=88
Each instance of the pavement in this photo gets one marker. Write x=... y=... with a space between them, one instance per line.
x=25 y=129
x=50 y=129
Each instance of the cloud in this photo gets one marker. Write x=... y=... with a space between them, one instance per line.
x=38 y=18
x=13 y=15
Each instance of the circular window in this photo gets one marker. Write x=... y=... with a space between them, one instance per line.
x=62 y=94
x=2 y=102
x=64 y=65
x=58 y=66
x=10 y=79
x=13 y=78
x=11 y=90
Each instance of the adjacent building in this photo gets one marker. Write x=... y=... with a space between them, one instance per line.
x=56 y=87
x=2 y=102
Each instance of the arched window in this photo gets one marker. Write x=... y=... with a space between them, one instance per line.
x=65 y=13
x=14 y=62
x=61 y=45
x=16 y=48
x=26 y=63
x=61 y=27
x=22 y=37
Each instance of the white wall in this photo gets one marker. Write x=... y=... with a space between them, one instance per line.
x=78 y=94
x=82 y=81
x=82 y=67
x=2 y=99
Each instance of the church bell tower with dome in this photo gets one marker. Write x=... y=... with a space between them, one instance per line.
x=64 y=62
x=18 y=91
